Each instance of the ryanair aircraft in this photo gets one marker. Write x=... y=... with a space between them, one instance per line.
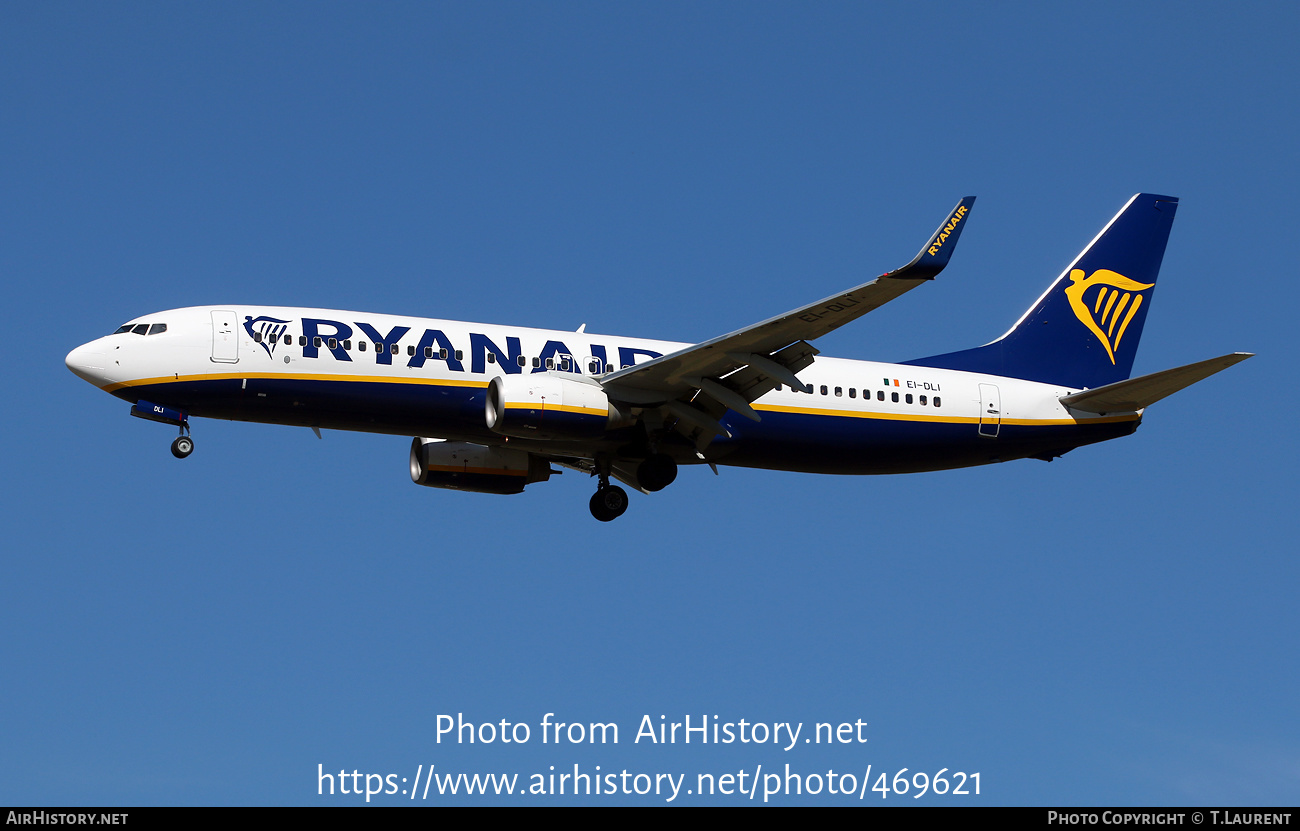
x=494 y=408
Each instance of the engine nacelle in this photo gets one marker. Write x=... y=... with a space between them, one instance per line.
x=461 y=466
x=550 y=407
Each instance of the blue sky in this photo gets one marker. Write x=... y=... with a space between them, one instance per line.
x=1116 y=627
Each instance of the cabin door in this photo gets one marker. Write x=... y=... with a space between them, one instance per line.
x=225 y=338
x=990 y=410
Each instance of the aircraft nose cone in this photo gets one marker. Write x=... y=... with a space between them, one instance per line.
x=88 y=362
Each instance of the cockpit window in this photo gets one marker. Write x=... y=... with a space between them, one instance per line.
x=142 y=328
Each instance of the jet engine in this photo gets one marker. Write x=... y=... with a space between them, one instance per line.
x=550 y=407
x=461 y=466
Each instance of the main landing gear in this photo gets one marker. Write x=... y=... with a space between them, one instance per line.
x=655 y=473
x=609 y=501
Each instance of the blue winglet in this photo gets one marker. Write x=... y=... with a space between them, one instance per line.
x=936 y=253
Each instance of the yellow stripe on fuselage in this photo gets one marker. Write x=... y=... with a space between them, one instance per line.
x=283 y=376
x=938 y=419
x=451 y=382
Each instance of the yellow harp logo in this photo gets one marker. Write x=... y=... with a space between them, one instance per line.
x=1117 y=297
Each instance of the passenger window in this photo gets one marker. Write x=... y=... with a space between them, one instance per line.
x=442 y=353
x=537 y=362
x=893 y=396
x=410 y=351
x=824 y=389
x=492 y=357
x=288 y=340
x=839 y=392
x=593 y=367
x=302 y=340
x=936 y=401
x=333 y=343
x=522 y=360
x=158 y=328
x=347 y=345
x=923 y=401
x=880 y=395
x=853 y=392
x=392 y=349
x=908 y=398
x=316 y=341
x=428 y=351
x=257 y=337
x=550 y=363
x=460 y=356
x=361 y=346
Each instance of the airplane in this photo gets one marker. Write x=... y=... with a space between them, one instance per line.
x=492 y=408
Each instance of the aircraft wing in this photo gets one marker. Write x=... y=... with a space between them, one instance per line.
x=772 y=351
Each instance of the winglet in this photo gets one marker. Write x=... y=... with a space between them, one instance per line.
x=936 y=253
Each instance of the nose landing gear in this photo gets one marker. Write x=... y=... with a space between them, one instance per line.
x=182 y=447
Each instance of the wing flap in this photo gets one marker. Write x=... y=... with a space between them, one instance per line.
x=749 y=383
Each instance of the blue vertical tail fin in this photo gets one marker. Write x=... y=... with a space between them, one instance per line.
x=1084 y=330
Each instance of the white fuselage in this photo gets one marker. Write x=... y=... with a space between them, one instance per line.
x=426 y=377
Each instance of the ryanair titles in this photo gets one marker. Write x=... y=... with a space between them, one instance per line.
x=946 y=231
x=400 y=344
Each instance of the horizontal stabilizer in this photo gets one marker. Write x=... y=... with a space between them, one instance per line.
x=1137 y=393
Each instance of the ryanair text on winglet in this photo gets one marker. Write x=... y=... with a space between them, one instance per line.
x=957 y=217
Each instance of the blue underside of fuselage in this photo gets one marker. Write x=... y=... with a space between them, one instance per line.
x=783 y=441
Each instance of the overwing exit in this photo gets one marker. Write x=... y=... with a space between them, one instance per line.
x=496 y=408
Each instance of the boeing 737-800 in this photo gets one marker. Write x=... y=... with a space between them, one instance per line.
x=492 y=408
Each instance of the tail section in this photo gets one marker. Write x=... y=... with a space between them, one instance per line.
x=1084 y=330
